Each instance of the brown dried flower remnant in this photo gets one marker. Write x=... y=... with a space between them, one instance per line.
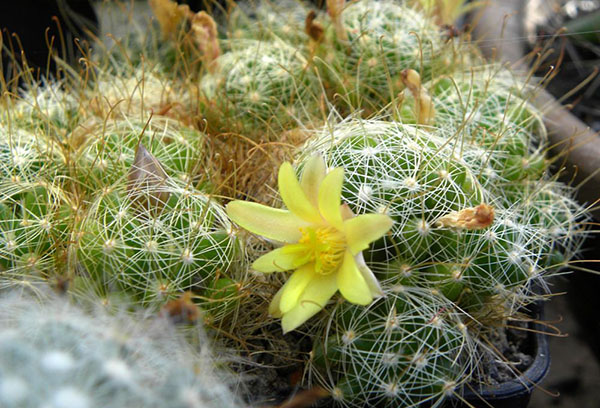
x=313 y=29
x=201 y=29
x=169 y=15
x=472 y=218
x=182 y=309
x=204 y=34
x=146 y=182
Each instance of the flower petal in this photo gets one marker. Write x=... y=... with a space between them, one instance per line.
x=368 y=275
x=293 y=196
x=351 y=282
x=330 y=197
x=364 y=229
x=280 y=225
x=316 y=295
x=314 y=172
x=282 y=259
x=274 y=305
x=295 y=287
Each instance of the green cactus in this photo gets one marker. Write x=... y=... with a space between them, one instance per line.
x=417 y=179
x=267 y=20
x=27 y=156
x=407 y=349
x=50 y=108
x=135 y=92
x=107 y=158
x=488 y=110
x=35 y=223
x=383 y=39
x=262 y=86
x=399 y=170
x=156 y=243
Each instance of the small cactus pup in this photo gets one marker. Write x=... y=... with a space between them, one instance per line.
x=259 y=88
x=408 y=349
x=323 y=241
x=155 y=237
x=107 y=158
x=374 y=42
x=562 y=224
x=54 y=354
x=136 y=93
x=402 y=171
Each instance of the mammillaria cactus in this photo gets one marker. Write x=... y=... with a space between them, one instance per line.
x=54 y=354
x=266 y=20
x=401 y=171
x=415 y=179
x=156 y=239
x=35 y=223
x=452 y=237
x=380 y=40
x=407 y=349
x=260 y=83
x=106 y=159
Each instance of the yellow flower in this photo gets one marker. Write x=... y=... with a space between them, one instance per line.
x=323 y=242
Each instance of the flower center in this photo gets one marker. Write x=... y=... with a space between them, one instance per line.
x=326 y=245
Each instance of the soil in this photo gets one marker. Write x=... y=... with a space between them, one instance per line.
x=517 y=347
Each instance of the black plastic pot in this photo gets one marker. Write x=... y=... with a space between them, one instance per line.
x=515 y=393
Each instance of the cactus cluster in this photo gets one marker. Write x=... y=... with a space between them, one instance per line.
x=55 y=354
x=113 y=182
x=100 y=191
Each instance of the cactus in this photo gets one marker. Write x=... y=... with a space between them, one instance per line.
x=259 y=85
x=48 y=108
x=487 y=109
x=420 y=181
x=35 y=223
x=267 y=20
x=106 y=159
x=407 y=349
x=157 y=242
x=135 y=92
x=382 y=39
x=403 y=172
x=454 y=154
x=54 y=354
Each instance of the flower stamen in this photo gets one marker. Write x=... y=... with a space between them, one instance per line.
x=326 y=246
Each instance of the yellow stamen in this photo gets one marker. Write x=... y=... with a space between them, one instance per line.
x=326 y=245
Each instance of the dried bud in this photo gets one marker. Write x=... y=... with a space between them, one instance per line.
x=335 y=7
x=313 y=29
x=146 y=181
x=204 y=33
x=475 y=218
x=411 y=79
x=169 y=15
x=424 y=109
x=182 y=309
